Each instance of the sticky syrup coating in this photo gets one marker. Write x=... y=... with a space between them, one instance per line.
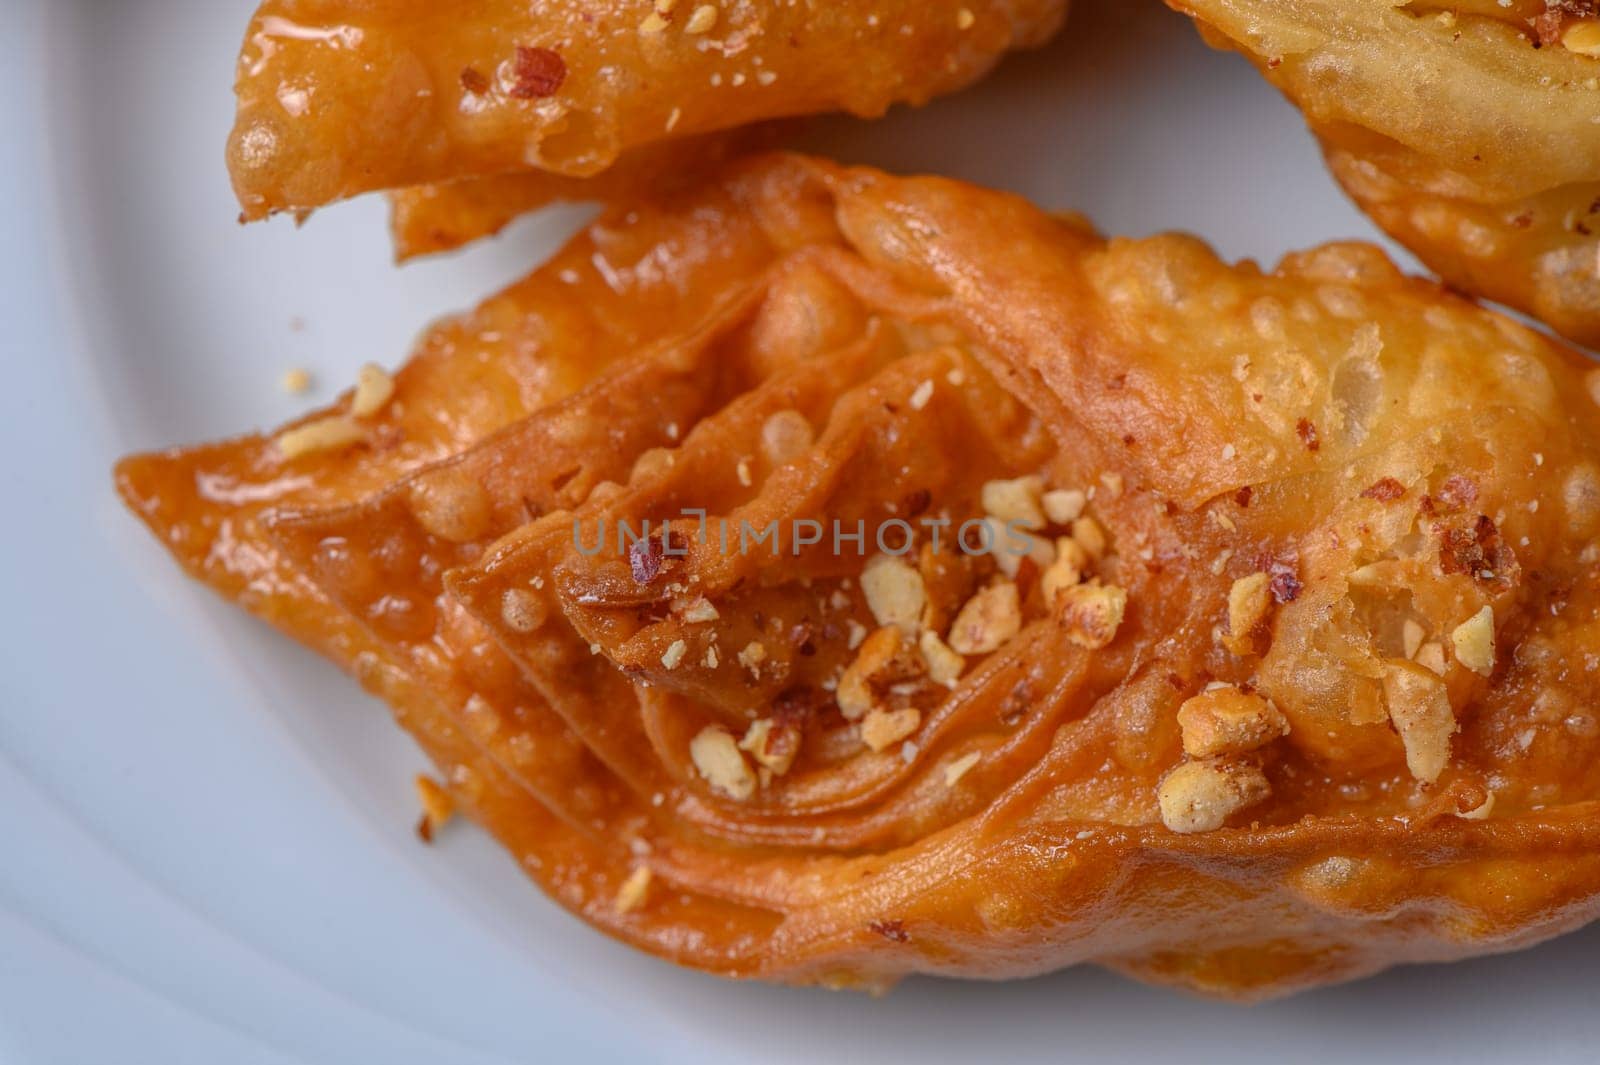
x=1417 y=478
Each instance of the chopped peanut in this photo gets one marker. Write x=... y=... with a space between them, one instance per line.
x=674 y=654
x=989 y=619
x=944 y=664
x=1228 y=721
x=1474 y=642
x=1480 y=812
x=1063 y=506
x=374 y=390
x=333 y=433
x=753 y=654
x=703 y=19
x=699 y=610
x=884 y=728
x=885 y=657
x=1249 y=602
x=1201 y=796
x=895 y=592
x=1411 y=634
x=437 y=807
x=958 y=768
x=772 y=744
x=785 y=436
x=716 y=756
x=1015 y=501
x=631 y=895
x=521 y=610
x=1091 y=613
x=1069 y=568
x=296 y=380
x=1419 y=706
x=1091 y=537
x=1431 y=656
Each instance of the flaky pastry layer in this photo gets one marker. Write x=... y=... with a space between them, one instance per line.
x=1292 y=679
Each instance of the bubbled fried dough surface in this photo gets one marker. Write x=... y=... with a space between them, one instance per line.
x=339 y=97
x=1469 y=131
x=1294 y=681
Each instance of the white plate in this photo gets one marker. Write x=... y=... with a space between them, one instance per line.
x=207 y=833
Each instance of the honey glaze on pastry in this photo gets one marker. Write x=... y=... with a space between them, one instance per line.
x=1469 y=131
x=1287 y=675
x=340 y=97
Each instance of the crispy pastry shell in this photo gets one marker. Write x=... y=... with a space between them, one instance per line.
x=803 y=342
x=1468 y=131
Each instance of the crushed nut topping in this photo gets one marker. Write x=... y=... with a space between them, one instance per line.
x=752 y=655
x=1419 y=707
x=333 y=433
x=632 y=893
x=881 y=729
x=987 y=620
x=895 y=592
x=772 y=743
x=437 y=807
x=1016 y=501
x=702 y=20
x=920 y=397
x=296 y=380
x=958 y=768
x=674 y=654
x=699 y=610
x=1249 y=603
x=1201 y=796
x=522 y=611
x=1226 y=720
x=1069 y=568
x=1431 y=656
x=374 y=390
x=716 y=756
x=1411 y=636
x=1063 y=506
x=945 y=665
x=1091 y=613
x=1473 y=640
x=1090 y=537
x=886 y=657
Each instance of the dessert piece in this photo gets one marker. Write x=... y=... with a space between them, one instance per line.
x=1469 y=131
x=841 y=576
x=340 y=97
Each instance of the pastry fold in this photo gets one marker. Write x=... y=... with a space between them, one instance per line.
x=824 y=576
x=341 y=97
x=1469 y=131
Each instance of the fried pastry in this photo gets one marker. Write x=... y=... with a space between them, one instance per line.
x=837 y=576
x=1469 y=131
x=338 y=97
x=429 y=219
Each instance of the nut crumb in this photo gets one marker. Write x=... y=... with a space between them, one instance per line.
x=296 y=380
x=702 y=20
x=674 y=654
x=944 y=664
x=632 y=893
x=958 y=768
x=437 y=807
x=716 y=756
x=1226 y=720
x=1249 y=602
x=521 y=610
x=895 y=592
x=333 y=433
x=374 y=390
x=1419 y=707
x=1015 y=501
x=881 y=729
x=1063 y=506
x=1091 y=613
x=1201 y=796
x=1473 y=640
x=991 y=617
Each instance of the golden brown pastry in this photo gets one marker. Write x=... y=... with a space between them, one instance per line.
x=340 y=97
x=1469 y=131
x=428 y=219
x=1280 y=668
